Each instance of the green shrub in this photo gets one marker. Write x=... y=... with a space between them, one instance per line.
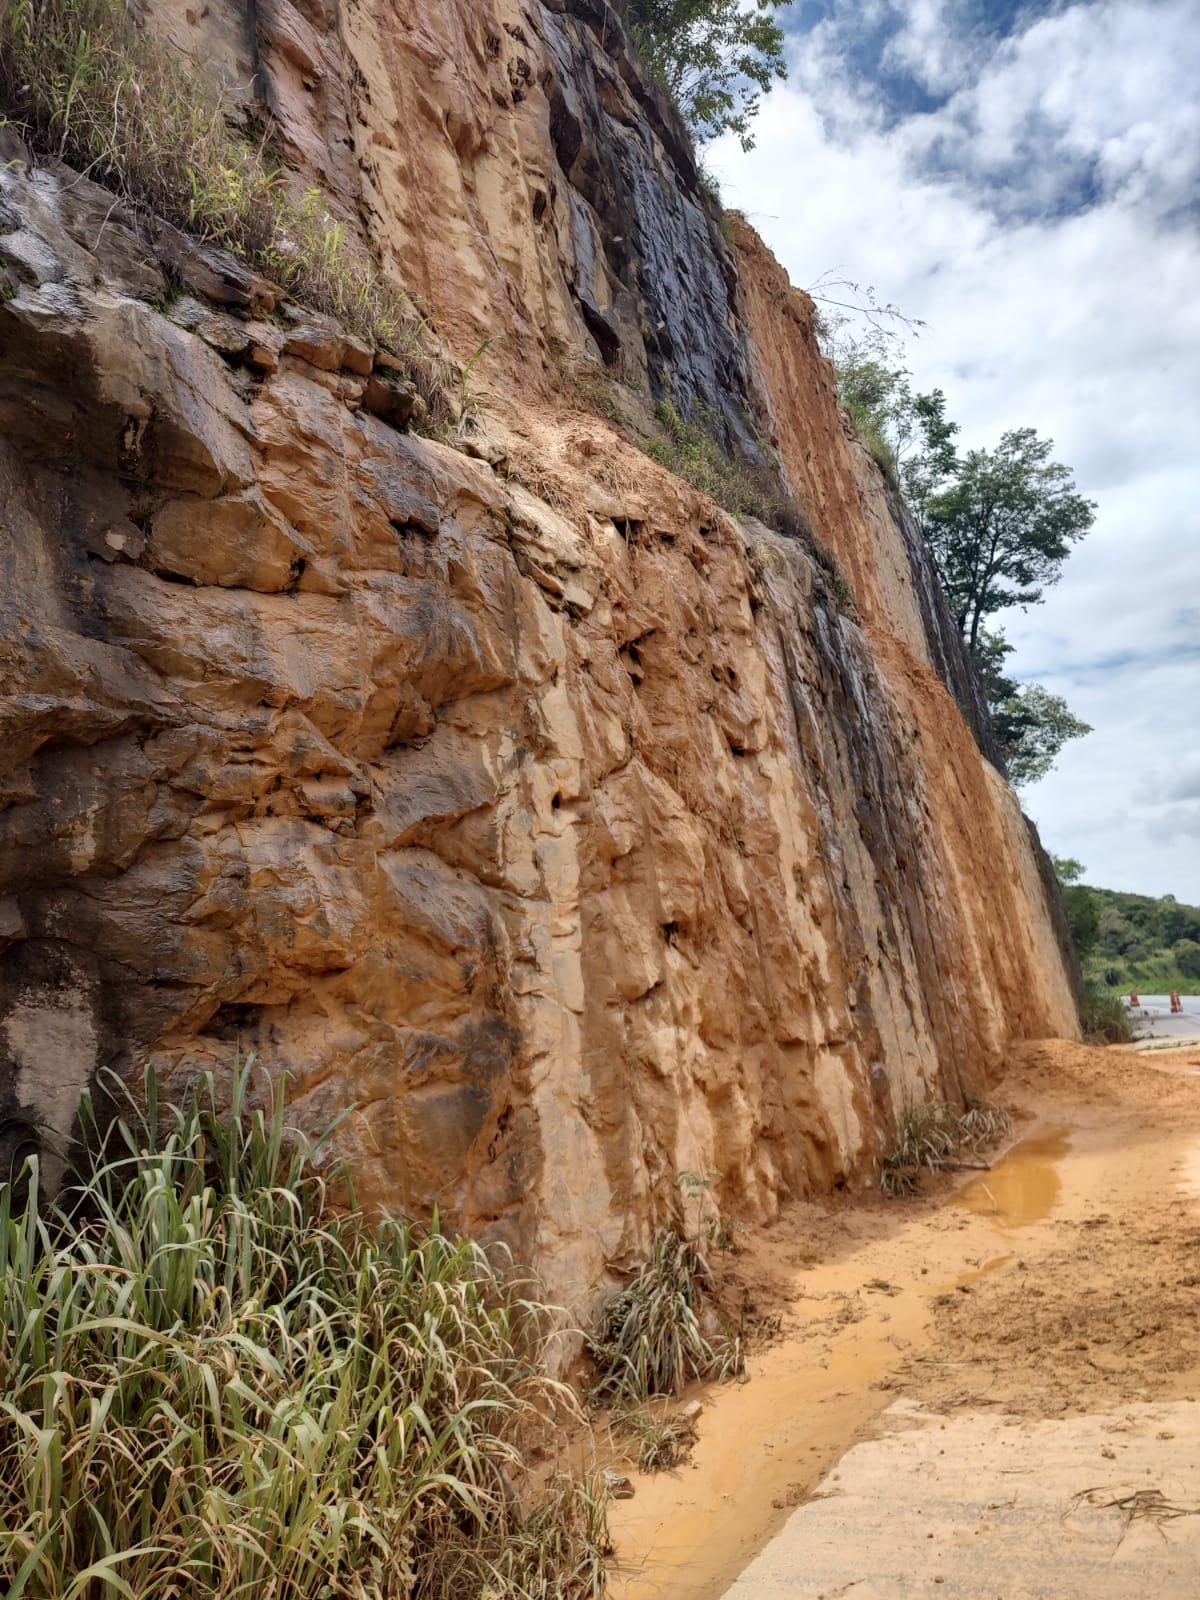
x=91 y=88
x=1103 y=1016
x=651 y=1340
x=213 y=1382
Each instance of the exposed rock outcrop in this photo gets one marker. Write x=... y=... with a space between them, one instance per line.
x=521 y=798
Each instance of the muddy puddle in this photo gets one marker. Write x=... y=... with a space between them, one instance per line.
x=1024 y=1186
x=762 y=1444
x=856 y=1319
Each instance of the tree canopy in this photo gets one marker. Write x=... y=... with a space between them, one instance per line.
x=716 y=57
x=1000 y=532
x=1131 y=940
x=999 y=525
x=1030 y=723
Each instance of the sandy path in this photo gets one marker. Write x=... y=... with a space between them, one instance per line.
x=1064 y=1283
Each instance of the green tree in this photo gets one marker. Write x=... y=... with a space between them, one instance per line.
x=1175 y=921
x=1002 y=530
x=1031 y=724
x=1081 y=905
x=909 y=434
x=1187 y=957
x=1083 y=918
x=999 y=524
x=716 y=57
x=1067 y=869
x=928 y=456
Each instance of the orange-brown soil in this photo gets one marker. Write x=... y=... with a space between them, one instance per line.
x=1065 y=1280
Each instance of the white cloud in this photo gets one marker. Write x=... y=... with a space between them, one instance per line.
x=929 y=46
x=1104 y=91
x=1042 y=221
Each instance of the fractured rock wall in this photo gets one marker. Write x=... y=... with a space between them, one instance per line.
x=521 y=799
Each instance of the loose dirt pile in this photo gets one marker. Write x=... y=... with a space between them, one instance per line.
x=1100 y=1305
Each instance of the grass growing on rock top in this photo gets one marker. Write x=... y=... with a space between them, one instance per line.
x=89 y=87
x=213 y=1383
x=689 y=447
x=866 y=425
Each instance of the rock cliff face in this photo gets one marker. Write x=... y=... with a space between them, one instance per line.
x=513 y=794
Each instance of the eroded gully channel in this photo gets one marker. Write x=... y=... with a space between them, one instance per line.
x=860 y=1290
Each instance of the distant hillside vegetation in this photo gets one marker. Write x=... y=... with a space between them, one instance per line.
x=1134 y=940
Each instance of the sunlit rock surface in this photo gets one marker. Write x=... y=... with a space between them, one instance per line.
x=571 y=832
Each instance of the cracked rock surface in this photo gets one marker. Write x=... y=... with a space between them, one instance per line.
x=521 y=799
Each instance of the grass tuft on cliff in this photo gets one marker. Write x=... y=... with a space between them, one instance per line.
x=866 y=424
x=212 y=1382
x=91 y=88
x=689 y=447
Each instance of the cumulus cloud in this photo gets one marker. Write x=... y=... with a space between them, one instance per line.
x=1094 y=101
x=929 y=46
x=1027 y=180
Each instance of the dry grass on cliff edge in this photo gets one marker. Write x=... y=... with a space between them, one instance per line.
x=211 y=1383
x=88 y=86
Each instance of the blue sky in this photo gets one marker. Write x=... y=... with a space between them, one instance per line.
x=1026 y=179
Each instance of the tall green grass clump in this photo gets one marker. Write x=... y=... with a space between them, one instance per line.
x=1104 y=1016
x=651 y=1339
x=867 y=425
x=90 y=87
x=213 y=1382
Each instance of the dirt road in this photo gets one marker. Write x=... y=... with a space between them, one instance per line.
x=952 y=1377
